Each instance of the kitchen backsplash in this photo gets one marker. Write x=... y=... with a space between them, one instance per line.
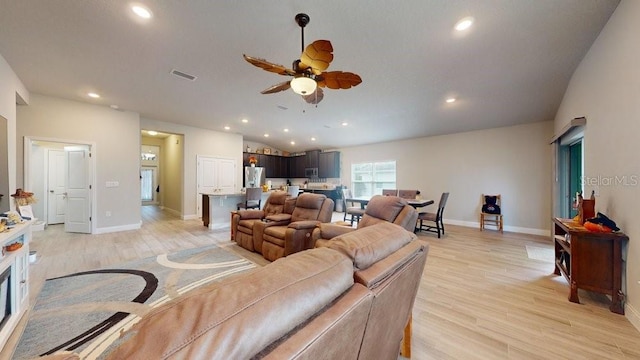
x=329 y=183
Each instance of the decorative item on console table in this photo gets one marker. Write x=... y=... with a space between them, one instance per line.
x=585 y=207
x=22 y=197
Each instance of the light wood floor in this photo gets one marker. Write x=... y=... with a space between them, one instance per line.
x=480 y=297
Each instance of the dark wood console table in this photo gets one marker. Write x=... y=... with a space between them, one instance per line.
x=590 y=261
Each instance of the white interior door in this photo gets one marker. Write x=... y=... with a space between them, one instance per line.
x=206 y=179
x=227 y=176
x=56 y=183
x=148 y=185
x=78 y=207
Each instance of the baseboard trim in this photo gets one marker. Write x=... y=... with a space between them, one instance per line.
x=112 y=229
x=632 y=315
x=190 y=217
x=517 y=229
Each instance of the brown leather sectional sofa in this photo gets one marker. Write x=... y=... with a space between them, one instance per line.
x=350 y=300
x=283 y=226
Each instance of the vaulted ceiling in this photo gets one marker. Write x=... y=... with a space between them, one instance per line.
x=512 y=66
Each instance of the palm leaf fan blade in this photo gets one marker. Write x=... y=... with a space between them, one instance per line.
x=314 y=98
x=277 y=88
x=317 y=55
x=268 y=66
x=339 y=80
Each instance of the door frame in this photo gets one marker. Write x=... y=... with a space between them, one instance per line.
x=29 y=142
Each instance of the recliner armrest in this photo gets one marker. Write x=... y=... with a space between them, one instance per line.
x=279 y=217
x=250 y=214
x=329 y=231
x=304 y=224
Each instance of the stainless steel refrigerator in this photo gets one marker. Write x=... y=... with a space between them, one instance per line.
x=254 y=176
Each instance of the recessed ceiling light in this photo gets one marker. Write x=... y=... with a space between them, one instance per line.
x=464 y=24
x=286 y=130
x=114 y=107
x=152 y=133
x=293 y=143
x=266 y=135
x=345 y=123
x=141 y=11
x=450 y=100
x=313 y=139
x=93 y=95
x=227 y=128
x=245 y=121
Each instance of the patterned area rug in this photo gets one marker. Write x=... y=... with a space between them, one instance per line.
x=540 y=253
x=86 y=312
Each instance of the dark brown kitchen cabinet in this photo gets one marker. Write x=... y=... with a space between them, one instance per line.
x=312 y=160
x=329 y=164
x=297 y=165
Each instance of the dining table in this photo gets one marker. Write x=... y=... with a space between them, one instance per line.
x=416 y=203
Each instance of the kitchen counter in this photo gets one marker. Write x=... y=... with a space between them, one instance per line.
x=217 y=207
x=334 y=194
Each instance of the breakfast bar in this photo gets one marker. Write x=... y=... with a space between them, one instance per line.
x=216 y=208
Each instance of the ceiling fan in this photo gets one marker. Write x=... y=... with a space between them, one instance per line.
x=309 y=75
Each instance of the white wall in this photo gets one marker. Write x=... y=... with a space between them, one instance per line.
x=204 y=142
x=12 y=91
x=116 y=135
x=513 y=161
x=173 y=178
x=605 y=88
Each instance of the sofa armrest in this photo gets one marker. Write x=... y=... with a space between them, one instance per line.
x=329 y=231
x=250 y=214
x=279 y=217
x=304 y=224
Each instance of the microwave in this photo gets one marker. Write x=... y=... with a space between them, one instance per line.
x=311 y=172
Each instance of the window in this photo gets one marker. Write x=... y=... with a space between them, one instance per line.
x=368 y=179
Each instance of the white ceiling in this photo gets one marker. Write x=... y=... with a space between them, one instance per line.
x=511 y=67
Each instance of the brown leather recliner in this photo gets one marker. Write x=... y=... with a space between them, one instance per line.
x=351 y=300
x=278 y=239
x=243 y=221
x=391 y=209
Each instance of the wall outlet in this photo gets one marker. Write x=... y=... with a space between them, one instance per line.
x=108 y=213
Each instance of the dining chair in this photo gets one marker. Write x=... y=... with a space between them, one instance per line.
x=390 y=192
x=434 y=217
x=293 y=190
x=408 y=194
x=491 y=213
x=354 y=210
x=252 y=199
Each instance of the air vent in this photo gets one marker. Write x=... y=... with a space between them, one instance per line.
x=183 y=75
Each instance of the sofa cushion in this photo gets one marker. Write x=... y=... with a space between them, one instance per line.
x=368 y=245
x=246 y=226
x=384 y=208
x=238 y=317
x=308 y=207
x=275 y=203
x=275 y=234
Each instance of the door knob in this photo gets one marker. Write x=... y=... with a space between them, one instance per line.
x=51 y=191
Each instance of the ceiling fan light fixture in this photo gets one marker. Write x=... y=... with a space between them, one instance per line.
x=303 y=85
